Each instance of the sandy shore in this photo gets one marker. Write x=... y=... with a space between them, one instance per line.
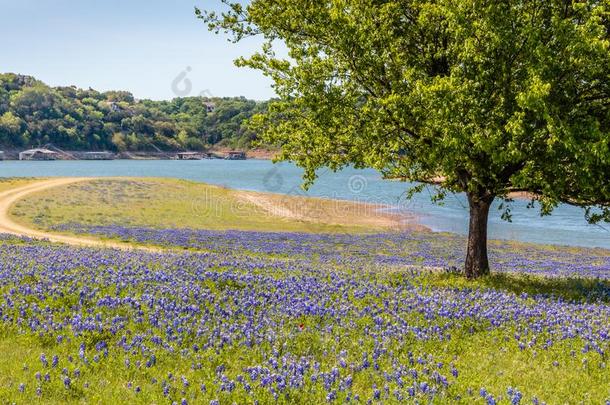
x=329 y=211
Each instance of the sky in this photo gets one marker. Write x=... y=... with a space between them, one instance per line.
x=152 y=48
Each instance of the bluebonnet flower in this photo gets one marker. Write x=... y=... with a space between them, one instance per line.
x=198 y=307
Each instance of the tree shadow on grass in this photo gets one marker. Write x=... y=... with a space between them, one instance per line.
x=570 y=289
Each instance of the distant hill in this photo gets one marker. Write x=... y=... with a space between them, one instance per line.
x=34 y=114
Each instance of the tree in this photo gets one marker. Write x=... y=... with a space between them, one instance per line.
x=10 y=126
x=39 y=101
x=118 y=140
x=474 y=96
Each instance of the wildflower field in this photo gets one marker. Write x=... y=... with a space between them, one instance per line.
x=253 y=317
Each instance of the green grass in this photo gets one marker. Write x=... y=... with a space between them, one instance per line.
x=165 y=203
x=7 y=183
x=569 y=289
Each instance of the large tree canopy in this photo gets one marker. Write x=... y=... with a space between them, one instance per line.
x=477 y=96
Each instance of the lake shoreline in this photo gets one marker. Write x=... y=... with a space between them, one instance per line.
x=566 y=226
x=193 y=205
x=81 y=155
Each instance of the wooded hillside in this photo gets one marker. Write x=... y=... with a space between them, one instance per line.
x=35 y=114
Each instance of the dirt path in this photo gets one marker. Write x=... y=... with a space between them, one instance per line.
x=7 y=225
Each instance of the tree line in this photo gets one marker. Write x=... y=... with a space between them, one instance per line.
x=35 y=114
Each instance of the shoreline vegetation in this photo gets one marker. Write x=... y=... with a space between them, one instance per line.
x=174 y=203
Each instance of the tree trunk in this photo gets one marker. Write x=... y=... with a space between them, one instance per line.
x=477 y=263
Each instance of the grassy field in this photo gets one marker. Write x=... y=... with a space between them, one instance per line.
x=164 y=203
x=8 y=183
x=91 y=325
x=301 y=317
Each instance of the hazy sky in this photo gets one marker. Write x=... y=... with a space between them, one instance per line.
x=135 y=45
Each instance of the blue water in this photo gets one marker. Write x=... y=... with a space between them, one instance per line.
x=565 y=227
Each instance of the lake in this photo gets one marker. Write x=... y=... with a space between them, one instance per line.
x=565 y=227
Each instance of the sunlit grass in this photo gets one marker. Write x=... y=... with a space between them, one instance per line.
x=169 y=203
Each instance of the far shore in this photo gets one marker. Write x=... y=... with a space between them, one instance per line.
x=212 y=153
